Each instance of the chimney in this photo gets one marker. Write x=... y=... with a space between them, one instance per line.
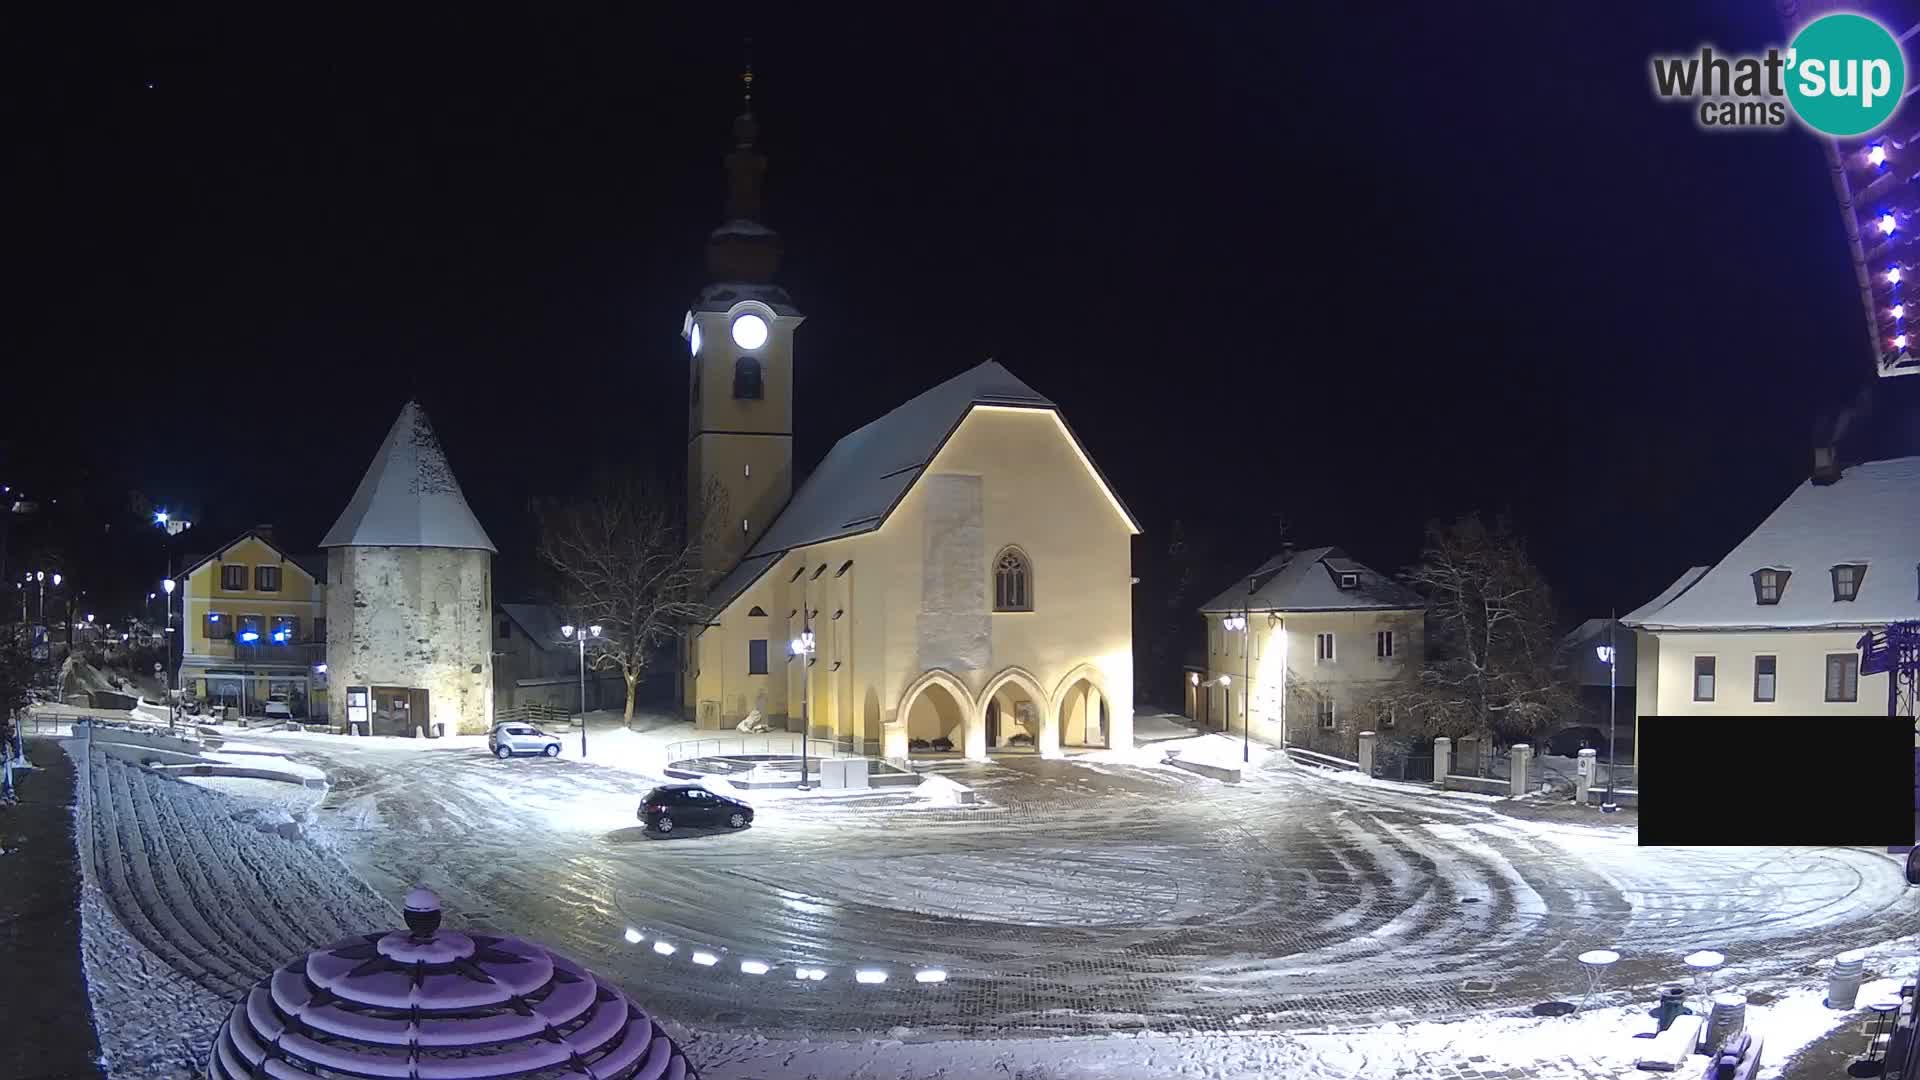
x=1286 y=553
x=1826 y=465
x=266 y=533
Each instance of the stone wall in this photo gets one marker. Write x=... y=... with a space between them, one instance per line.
x=413 y=617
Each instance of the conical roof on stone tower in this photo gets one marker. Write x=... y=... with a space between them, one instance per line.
x=409 y=497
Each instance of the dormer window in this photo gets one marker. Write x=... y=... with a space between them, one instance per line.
x=1769 y=585
x=817 y=573
x=1349 y=581
x=1846 y=580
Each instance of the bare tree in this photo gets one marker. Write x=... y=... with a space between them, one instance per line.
x=628 y=566
x=1493 y=654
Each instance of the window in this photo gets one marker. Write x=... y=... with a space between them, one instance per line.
x=1846 y=580
x=248 y=624
x=816 y=574
x=1383 y=644
x=266 y=579
x=1012 y=582
x=218 y=626
x=757 y=656
x=1843 y=677
x=1768 y=585
x=746 y=378
x=757 y=612
x=1388 y=715
x=1323 y=648
x=797 y=573
x=694 y=396
x=1324 y=712
x=233 y=578
x=1349 y=581
x=1213 y=636
x=506 y=627
x=286 y=630
x=844 y=567
x=1766 y=681
x=1703 y=678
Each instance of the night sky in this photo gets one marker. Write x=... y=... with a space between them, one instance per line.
x=1340 y=268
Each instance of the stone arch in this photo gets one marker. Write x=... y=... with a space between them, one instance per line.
x=1082 y=710
x=961 y=724
x=1045 y=727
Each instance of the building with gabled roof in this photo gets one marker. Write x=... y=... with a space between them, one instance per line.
x=253 y=628
x=960 y=569
x=1301 y=649
x=410 y=596
x=1775 y=625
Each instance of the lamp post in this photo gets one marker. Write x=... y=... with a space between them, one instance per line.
x=1607 y=657
x=173 y=707
x=802 y=647
x=580 y=639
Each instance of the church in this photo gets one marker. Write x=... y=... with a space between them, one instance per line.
x=953 y=578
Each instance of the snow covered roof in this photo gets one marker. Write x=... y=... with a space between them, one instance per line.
x=540 y=622
x=409 y=497
x=723 y=295
x=868 y=472
x=1680 y=584
x=1309 y=580
x=1870 y=517
x=303 y=563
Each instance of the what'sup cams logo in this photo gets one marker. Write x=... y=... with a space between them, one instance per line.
x=1842 y=75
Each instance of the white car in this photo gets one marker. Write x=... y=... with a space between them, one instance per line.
x=278 y=709
x=510 y=739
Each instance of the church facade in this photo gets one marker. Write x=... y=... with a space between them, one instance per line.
x=955 y=576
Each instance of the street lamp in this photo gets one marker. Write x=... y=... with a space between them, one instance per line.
x=1607 y=656
x=802 y=647
x=581 y=640
x=173 y=707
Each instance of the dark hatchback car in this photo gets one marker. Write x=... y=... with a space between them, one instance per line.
x=680 y=806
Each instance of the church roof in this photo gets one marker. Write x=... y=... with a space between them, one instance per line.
x=867 y=473
x=409 y=497
x=1309 y=581
x=1865 y=518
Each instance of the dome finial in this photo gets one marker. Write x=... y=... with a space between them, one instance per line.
x=422 y=913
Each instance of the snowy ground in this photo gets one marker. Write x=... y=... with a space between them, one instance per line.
x=1200 y=929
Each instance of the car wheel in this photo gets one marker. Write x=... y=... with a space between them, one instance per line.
x=503 y=753
x=737 y=821
x=664 y=825
x=553 y=749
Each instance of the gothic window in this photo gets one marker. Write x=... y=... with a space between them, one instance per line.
x=746 y=378
x=1012 y=582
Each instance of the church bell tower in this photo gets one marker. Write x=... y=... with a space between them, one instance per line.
x=739 y=333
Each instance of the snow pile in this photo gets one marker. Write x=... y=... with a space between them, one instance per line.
x=151 y=1020
x=1800 y=1017
x=937 y=790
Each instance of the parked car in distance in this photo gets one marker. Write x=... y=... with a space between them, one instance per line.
x=509 y=739
x=278 y=709
x=678 y=806
x=1570 y=742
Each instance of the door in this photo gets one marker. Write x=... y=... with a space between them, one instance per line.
x=702 y=808
x=993 y=723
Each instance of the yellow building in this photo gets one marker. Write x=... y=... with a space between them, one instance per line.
x=1775 y=626
x=1309 y=640
x=962 y=570
x=254 y=627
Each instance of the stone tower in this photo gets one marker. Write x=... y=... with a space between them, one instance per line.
x=410 y=595
x=740 y=396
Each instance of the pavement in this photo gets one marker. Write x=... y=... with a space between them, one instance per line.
x=1079 y=897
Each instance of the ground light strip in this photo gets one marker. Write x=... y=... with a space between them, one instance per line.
x=866 y=976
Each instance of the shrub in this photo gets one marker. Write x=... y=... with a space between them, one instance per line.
x=943 y=744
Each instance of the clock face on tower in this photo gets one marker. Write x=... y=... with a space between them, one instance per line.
x=749 y=331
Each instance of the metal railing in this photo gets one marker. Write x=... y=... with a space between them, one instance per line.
x=785 y=743
x=1324 y=761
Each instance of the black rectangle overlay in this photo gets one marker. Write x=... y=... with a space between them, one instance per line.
x=1768 y=781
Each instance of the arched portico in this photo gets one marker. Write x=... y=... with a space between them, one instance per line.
x=1015 y=699
x=938 y=705
x=1083 y=709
